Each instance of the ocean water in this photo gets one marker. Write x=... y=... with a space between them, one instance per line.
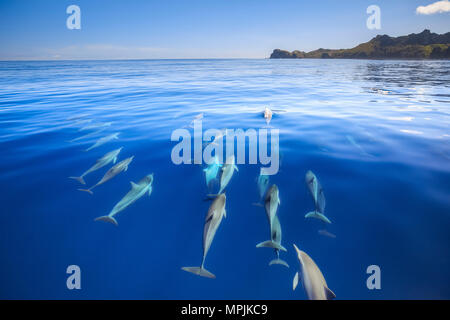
x=375 y=133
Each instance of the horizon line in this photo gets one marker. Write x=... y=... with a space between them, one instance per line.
x=126 y=59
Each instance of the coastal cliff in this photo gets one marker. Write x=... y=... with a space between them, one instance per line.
x=424 y=45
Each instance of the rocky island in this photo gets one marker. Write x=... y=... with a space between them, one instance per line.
x=424 y=45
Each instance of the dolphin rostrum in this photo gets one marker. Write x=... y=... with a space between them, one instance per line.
x=227 y=172
x=103 y=161
x=111 y=173
x=137 y=191
x=104 y=140
x=215 y=214
x=317 y=194
x=212 y=170
x=312 y=278
x=271 y=203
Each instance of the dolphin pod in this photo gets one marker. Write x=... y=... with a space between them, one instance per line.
x=104 y=140
x=111 y=173
x=137 y=191
x=103 y=161
x=309 y=274
x=213 y=218
x=316 y=192
x=312 y=278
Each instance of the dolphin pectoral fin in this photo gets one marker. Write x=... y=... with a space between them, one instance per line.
x=329 y=294
x=79 y=179
x=200 y=271
x=295 y=281
x=279 y=201
x=114 y=160
x=126 y=168
x=236 y=168
x=271 y=244
x=86 y=190
x=279 y=261
x=224 y=213
x=317 y=215
x=150 y=191
x=107 y=219
x=133 y=185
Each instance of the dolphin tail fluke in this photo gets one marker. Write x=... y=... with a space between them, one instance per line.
x=79 y=179
x=86 y=190
x=279 y=261
x=329 y=294
x=271 y=244
x=200 y=271
x=317 y=215
x=107 y=219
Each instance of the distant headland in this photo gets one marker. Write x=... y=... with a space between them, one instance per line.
x=424 y=45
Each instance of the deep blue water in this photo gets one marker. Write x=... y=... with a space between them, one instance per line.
x=382 y=158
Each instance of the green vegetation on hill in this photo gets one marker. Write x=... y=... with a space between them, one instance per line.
x=424 y=45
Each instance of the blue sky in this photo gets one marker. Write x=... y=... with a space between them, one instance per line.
x=136 y=29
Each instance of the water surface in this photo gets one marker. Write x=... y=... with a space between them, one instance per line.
x=376 y=134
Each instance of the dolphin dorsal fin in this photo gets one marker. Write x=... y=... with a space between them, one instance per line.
x=295 y=281
x=329 y=294
x=133 y=185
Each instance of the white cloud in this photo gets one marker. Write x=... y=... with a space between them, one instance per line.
x=437 y=7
